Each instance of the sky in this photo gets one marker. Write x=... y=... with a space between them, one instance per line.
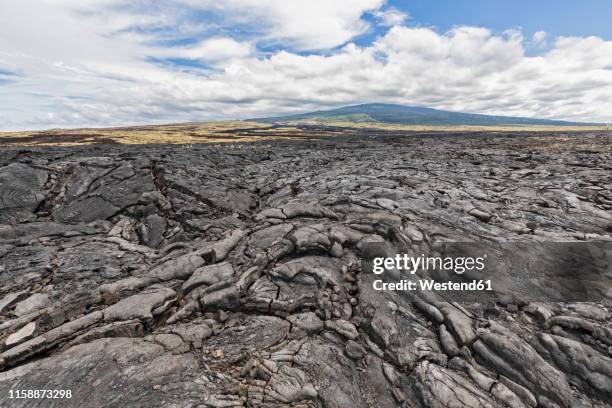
x=81 y=63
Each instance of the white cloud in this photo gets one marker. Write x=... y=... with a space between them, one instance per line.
x=87 y=63
x=539 y=37
x=391 y=16
x=214 y=49
x=304 y=25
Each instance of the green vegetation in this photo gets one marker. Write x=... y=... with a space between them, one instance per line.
x=413 y=115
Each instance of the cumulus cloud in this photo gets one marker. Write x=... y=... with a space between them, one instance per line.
x=304 y=25
x=539 y=39
x=391 y=16
x=214 y=49
x=97 y=63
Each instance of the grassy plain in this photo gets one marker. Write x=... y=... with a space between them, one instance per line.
x=242 y=131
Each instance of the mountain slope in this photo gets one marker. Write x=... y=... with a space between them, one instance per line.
x=413 y=115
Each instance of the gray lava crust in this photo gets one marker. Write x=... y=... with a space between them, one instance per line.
x=229 y=275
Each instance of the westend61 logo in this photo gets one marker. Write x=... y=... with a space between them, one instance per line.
x=410 y=264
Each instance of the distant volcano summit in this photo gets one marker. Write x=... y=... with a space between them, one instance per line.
x=414 y=115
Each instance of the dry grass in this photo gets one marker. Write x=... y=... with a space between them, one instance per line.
x=190 y=133
x=238 y=131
